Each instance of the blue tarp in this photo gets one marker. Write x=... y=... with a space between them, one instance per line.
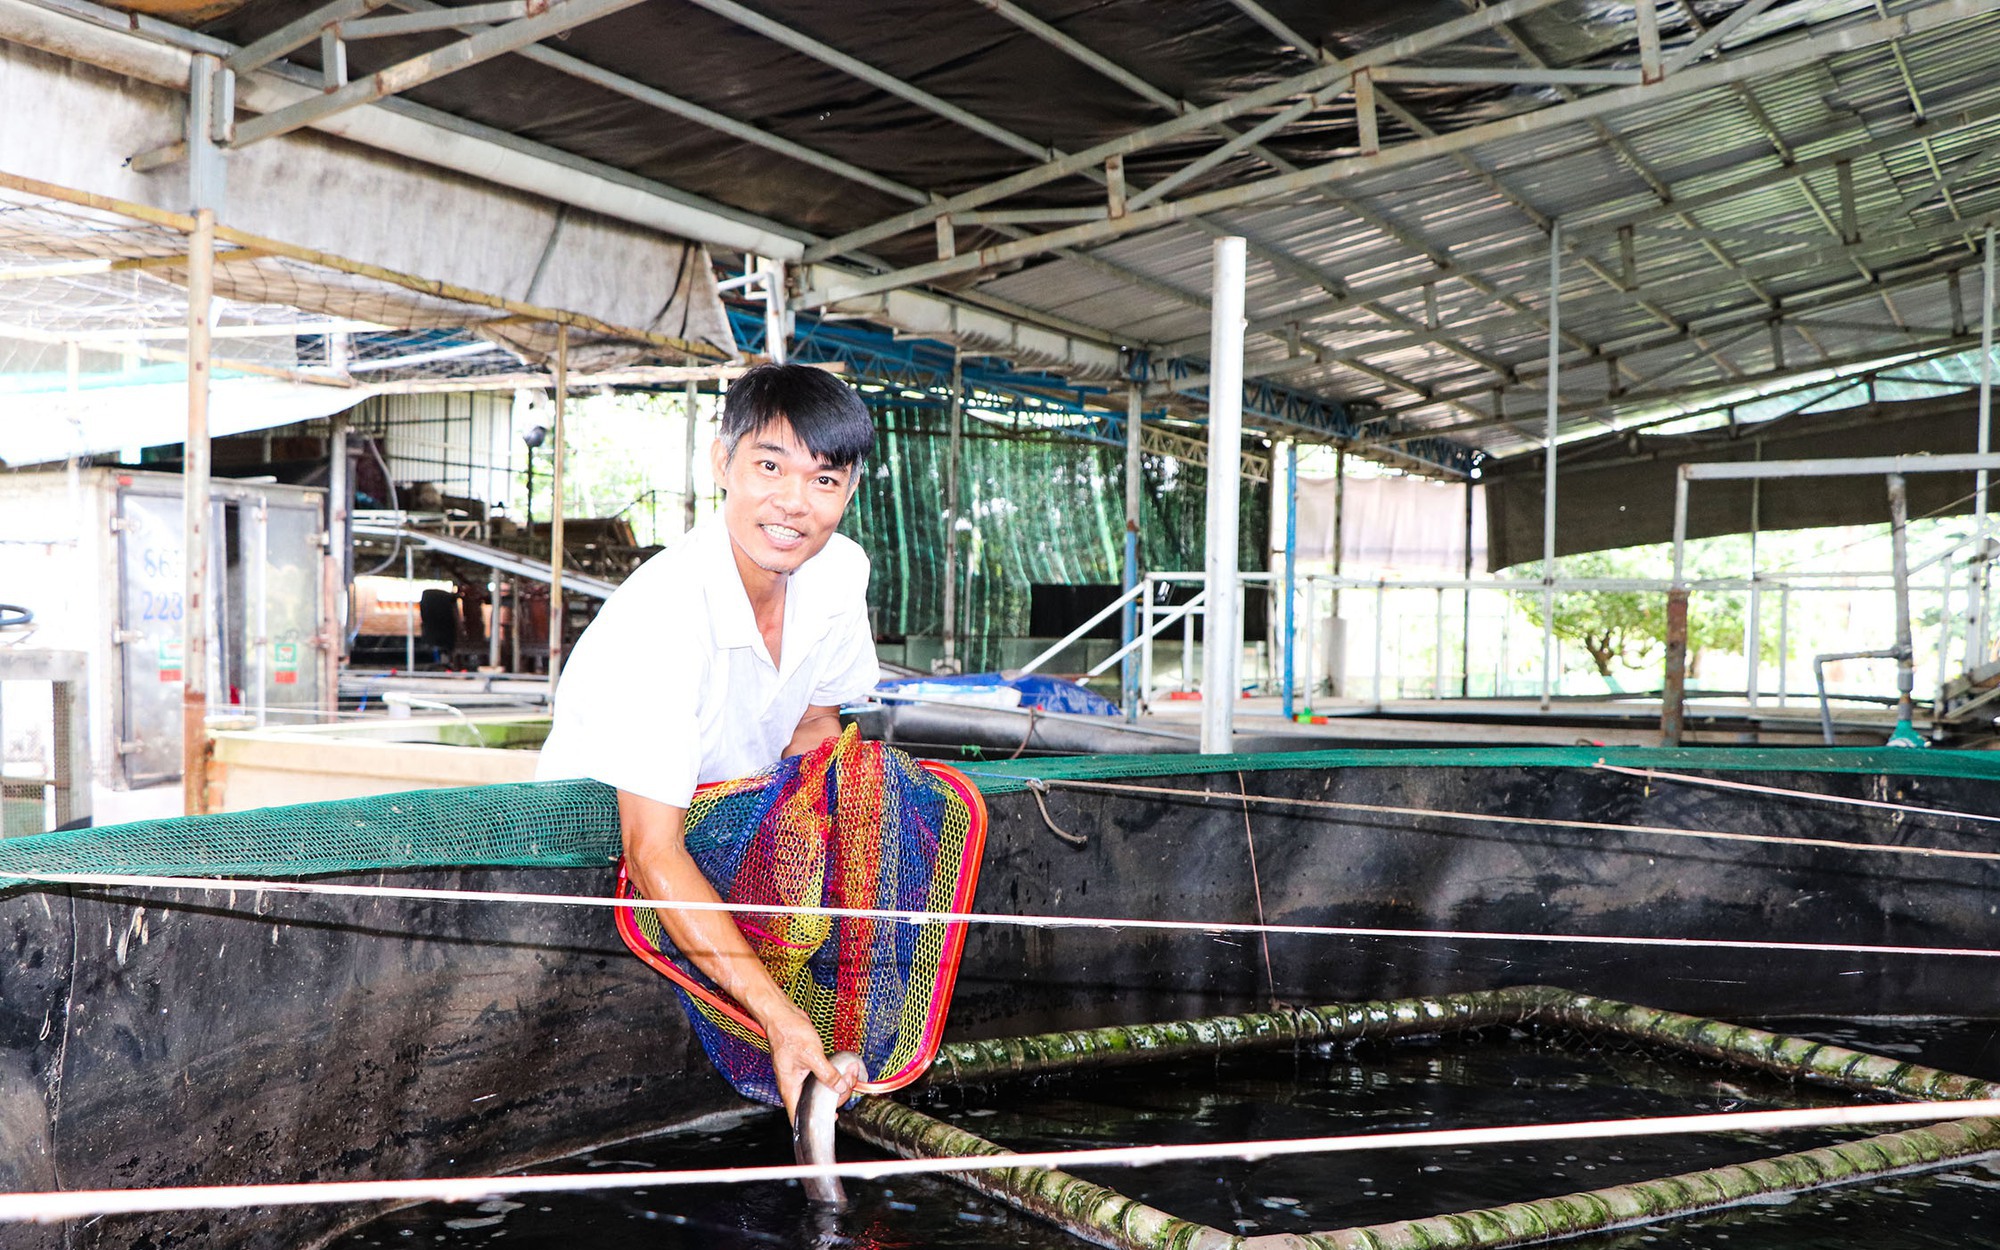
x=1050 y=694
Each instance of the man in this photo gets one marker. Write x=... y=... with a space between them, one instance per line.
x=729 y=651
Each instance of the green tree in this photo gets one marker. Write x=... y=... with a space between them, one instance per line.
x=1628 y=628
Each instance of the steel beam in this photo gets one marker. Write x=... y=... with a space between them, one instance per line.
x=1805 y=50
x=560 y=16
x=1332 y=75
x=296 y=34
x=1583 y=234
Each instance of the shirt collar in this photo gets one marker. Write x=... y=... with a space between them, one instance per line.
x=730 y=619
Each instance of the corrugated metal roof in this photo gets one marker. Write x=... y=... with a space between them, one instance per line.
x=1420 y=284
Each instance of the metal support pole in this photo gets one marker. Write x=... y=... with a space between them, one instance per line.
x=339 y=528
x=194 y=523
x=1906 y=669
x=410 y=608
x=1381 y=617
x=691 y=398
x=1145 y=647
x=1465 y=628
x=953 y=444
x=1549 y=464
x=561 y=436
x=493 y=622
x=1672 y=700
x=1339 y=518
x=259 y=579
x=1128 y=673
x=1944 y=637
x=1784 y=641
x=1311 y=683
x=514 y=622
x=1753 y=651
x=1976 y=628
x=1223 y=626
x=776 y=331
x=1291 y=572
x=1437 y=644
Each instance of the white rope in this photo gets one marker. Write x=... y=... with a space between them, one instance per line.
x=49 y=1207
x=215 y=886
x=1539 y=822
x=1654 y=774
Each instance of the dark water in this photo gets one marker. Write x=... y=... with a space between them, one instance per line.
x=1495 y=1078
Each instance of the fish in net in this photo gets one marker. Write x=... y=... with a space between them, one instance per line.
x=850 y=824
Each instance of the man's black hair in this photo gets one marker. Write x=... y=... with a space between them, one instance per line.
x=825 y=412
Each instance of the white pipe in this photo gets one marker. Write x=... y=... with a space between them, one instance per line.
x=1223 y=624
x=1549 y=464
x=1976 y=628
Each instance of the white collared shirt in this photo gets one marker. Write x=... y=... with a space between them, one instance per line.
x=672 y=684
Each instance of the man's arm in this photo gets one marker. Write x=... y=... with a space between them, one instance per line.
x=657 y=860
x=815 y=727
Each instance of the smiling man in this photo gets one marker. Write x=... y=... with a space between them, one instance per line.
x=725 y=653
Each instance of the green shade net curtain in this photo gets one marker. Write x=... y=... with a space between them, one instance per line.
x=1038 y=507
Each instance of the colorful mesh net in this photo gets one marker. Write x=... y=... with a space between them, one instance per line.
x=851 y=824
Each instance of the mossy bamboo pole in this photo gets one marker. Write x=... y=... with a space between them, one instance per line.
x=1107 y=1218
x=1043 y=1053
x=1096 y=1214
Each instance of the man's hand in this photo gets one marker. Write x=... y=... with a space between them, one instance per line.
x=795 y=1051
x=658 y=864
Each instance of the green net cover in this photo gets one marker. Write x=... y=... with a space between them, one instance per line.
x=574 y=824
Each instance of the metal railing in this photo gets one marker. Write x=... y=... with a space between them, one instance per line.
x=1484 y=637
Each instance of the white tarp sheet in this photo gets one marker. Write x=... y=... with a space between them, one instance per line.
x=37 y=428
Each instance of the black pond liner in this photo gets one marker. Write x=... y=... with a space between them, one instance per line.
x=1108 y=1218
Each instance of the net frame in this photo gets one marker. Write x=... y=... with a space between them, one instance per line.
x=644 y=936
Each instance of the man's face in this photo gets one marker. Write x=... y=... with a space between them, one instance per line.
x=782 y=502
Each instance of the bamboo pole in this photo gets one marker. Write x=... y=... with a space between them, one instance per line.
x=194 y=525
x=1107 y=1218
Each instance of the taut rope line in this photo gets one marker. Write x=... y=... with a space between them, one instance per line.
x=231 y=885
x=50 y=1206
x=1654 y=774
x=1538 y=822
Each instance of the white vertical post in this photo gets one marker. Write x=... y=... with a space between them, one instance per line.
x=410 y=595
x=776 y=319
x=194 y=521
x=561 y=437
x=1549 y=467
x=1753 y=638
x=1976 y=629
x=1222 y=626
x=1381 y=618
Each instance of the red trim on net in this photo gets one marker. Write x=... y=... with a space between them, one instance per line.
x=642 y=946
x=952 y=948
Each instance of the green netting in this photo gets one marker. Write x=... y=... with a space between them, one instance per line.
x=1012 y=776
x=561 y=824
x=574 y=824
x=1041 y=509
